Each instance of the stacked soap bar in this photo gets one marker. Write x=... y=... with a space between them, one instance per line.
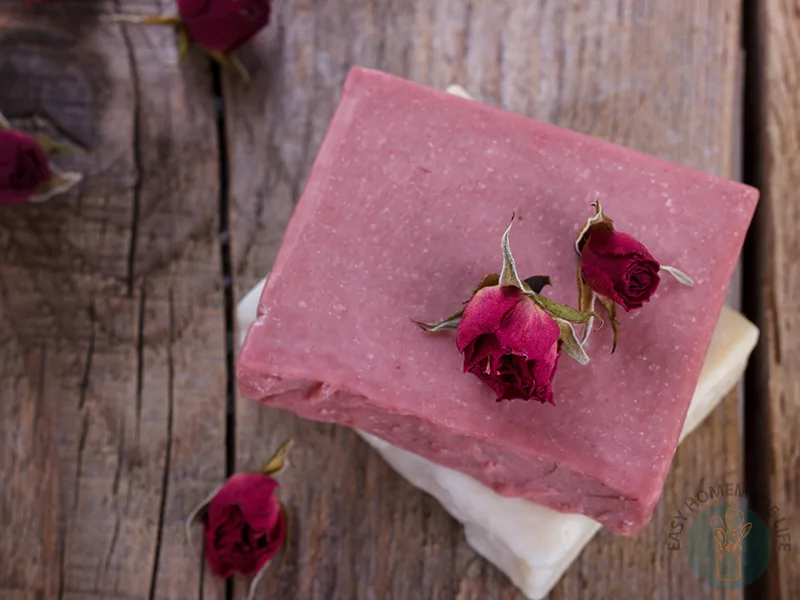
x=401 y=217
x=532 y=544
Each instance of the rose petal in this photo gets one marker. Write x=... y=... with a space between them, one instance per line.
x=483 y=346
x=224 y=25
x=485 y=311
x=272 y=542
x=261 y=512
x=528 y=331
x=242 y=486
x=604 y=242
x=618 y=266
x=544 y=370
x=218 y=559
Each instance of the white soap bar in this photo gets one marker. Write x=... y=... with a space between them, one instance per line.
x=532 y=544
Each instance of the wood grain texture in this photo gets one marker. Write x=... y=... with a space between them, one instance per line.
x=656 y=76
x=112 y=334
x=775 y=291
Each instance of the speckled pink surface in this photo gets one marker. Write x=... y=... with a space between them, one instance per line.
x=402 y=216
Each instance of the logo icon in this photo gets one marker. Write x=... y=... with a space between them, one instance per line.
x=728 y=546
x=729 y=535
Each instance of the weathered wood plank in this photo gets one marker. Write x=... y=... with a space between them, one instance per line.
x=656 y=76
x=775 y=290
x=112 y=349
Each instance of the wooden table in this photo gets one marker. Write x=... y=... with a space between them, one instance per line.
x=117 y=404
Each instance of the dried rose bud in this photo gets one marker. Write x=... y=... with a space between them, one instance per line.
x=244 y=525
x=511 y=336
x=217 y=26
x=510 y=344
x=23 y=167
x=223 y=25
x=615 y=268
x=25 y=171
x=618 y=266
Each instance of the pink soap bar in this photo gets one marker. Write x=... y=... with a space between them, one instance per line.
x=402 y=216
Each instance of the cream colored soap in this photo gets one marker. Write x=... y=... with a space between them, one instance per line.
x=532 y=544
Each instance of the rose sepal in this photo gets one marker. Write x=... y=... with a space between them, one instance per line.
x=611 y=309
x=508 y=274
x=570 y=344
x=278 y=461
x=678 y=275
x=562 y=311
x=169 y=21
x=536 y=283
x=59 y=183
x=251 y=591
x=230 y=62
x=450 y=322
x=598 y=219
x=587 y=298
x=196 y=514
x=50 y=147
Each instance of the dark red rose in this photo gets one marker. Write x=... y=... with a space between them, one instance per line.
x=244 y=525
x=619 y=267
x=510 y=344
x=23 y=167
x=223 y=25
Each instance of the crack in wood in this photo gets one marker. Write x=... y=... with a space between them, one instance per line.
x=113 y=545
x=79 y=466
x=62 y=561
x=765 y=283
x=120 y=457
x=89 y=356
x=168 y=448
x=137 y=159
x=40 y=390
x=140 y=362
x=227 y=278
x=227 y=286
